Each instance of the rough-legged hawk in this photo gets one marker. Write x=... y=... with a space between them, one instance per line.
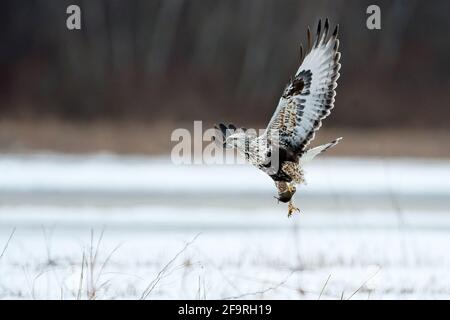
x=308 y=98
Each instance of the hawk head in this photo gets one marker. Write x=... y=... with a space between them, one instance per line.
x=231 y=137
x=236 y=140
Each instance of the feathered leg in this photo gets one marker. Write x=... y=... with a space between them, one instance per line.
x=292 y=209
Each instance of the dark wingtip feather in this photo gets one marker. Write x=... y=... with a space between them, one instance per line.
x=308 y=33
x=223 y=128
x=336 y=30
x=319 y=29
x=301 y=53
x=327 y=27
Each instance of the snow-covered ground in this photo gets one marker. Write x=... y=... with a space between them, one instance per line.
x=105 y=227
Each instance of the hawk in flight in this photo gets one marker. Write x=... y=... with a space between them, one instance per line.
x=281 y=151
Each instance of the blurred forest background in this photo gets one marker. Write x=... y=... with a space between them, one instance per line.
x=138 y=69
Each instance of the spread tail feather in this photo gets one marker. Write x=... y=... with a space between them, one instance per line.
x=312 y=153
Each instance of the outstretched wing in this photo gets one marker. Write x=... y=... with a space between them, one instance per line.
x=309 y=96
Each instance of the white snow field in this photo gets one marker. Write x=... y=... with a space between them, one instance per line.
x=123 y=227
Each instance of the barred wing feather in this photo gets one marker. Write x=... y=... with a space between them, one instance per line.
x=309 y=96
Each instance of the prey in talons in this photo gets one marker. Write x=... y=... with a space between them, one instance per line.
x=285 y=192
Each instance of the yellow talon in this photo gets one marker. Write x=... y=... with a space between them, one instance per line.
x=291 y=188
x=291 y=209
